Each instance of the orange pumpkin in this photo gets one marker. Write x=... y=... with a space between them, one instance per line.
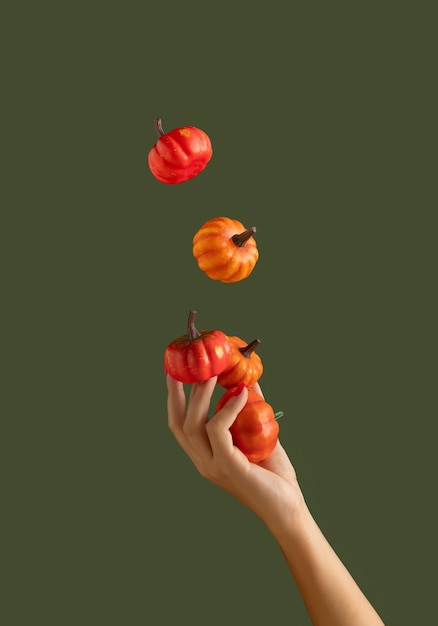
x=245 y=366
x=225 y=250
x=255 y=429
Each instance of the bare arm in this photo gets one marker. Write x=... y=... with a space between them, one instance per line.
x=331 y=595
x=271 y=491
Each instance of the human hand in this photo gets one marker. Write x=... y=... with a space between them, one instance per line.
x=270 y=489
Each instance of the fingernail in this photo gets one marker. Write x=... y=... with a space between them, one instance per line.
x=240 y=387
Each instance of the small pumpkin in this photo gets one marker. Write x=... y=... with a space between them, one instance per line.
x=245 y=365
x=255 y=429
x=225 y=250
x=198 y=355
x=180 y=154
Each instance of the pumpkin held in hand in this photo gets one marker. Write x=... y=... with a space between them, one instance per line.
x=198 y=355
x=255 y=429
x=245 y=365
x=180 y=154
x=225 y=250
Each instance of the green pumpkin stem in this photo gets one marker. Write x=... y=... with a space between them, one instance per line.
x=249 y=349
x=192 y=331
x=241 y=238
x=158 y=126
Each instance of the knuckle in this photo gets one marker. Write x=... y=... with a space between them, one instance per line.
x=212 y=426
x=189 y=429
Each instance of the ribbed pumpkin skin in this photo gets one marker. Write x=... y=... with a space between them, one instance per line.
x=255 y=429
x=240 y=369
x=179 y=155
x=197 y=360
x=198 y=355
x=218 y=256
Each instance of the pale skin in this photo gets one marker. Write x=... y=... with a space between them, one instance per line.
x=271 y=490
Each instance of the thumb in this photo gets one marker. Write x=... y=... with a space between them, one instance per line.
x=234 y=404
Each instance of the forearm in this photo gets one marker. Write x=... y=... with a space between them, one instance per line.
x=331 y=596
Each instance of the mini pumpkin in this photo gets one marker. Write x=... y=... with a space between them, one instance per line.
x=245 y=365
x=180 y=154
x=198 y=355
x=225 y=250
x=255 y=429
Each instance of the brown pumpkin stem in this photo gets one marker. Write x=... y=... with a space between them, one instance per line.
x=241 y=238
x=158 y=126
x=249 y=349
x=192 y=331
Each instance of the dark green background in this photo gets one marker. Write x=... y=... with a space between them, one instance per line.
x=323 y=124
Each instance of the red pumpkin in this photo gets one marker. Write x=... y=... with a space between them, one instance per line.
x=245 y=365
x=198 y=355
x=225 y=250
x=255 y=429
x=180 y=154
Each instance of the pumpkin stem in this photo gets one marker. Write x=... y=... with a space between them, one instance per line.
x=278 y=414
x=192 y=331
x=241 y=238
x=158 y=126
x=249 y=349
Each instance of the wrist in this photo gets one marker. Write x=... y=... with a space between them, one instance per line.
x=288 y=519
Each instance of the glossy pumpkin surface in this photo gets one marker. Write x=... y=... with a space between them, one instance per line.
x=225 y=250
x=245 y=365
x=198 y=355
x=255 y=429
x=180 y=154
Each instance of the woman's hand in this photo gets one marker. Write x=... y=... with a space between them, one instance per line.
x=270 y=488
